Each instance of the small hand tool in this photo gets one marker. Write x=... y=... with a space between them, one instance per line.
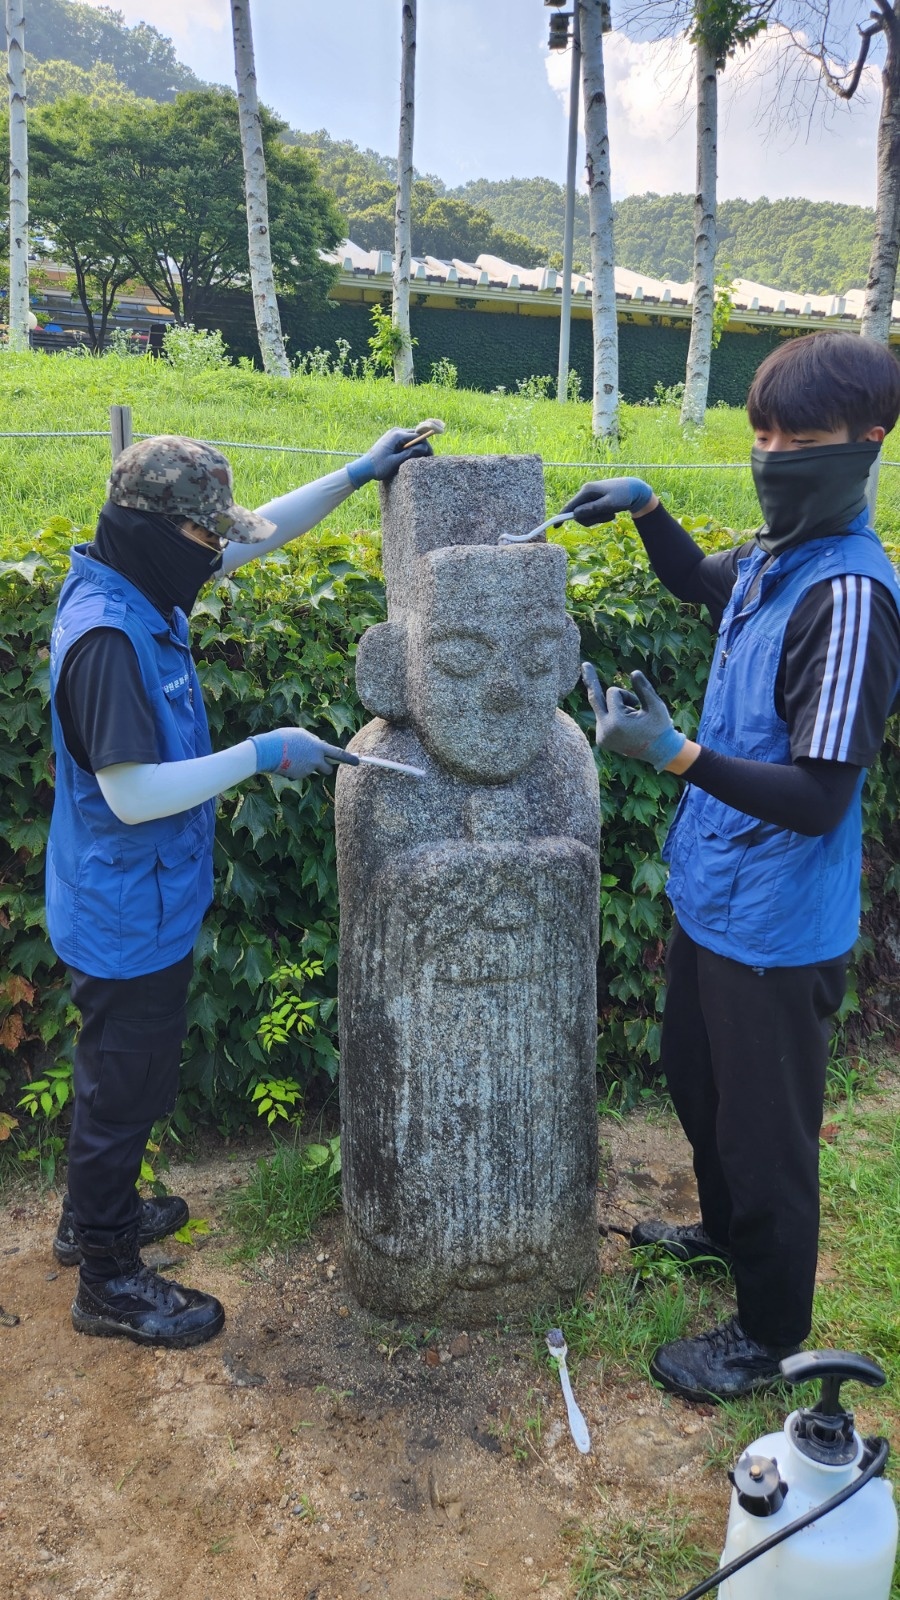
x=535 y=534
x=431 y=425
x=349 y=758
x=578 y=1428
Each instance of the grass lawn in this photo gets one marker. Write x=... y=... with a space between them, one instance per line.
x=43 y=478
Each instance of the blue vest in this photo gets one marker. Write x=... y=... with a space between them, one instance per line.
x=741 y=887
x=126 y=900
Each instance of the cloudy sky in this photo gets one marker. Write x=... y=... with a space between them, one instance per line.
x=491 y=101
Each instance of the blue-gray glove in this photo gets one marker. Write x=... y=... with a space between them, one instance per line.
x=600 y=502
x=293 y=753
x=387 y=455
x=635 y=724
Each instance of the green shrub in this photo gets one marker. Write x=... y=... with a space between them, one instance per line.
x=275 y=646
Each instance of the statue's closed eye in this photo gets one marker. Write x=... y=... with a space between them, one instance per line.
x=462 y=656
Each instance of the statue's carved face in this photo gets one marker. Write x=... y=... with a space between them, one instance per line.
x=487 y=648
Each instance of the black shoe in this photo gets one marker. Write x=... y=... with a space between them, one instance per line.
x=159 y=1218
x=686 y=1241
x=141 y=1306
x=718 y=1365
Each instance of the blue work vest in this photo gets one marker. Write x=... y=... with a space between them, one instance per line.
x=124 y=900
x=740 y=887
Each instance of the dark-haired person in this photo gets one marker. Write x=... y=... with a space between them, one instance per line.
x=129 y=858
x=766 y=846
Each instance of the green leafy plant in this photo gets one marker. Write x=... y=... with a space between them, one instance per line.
x=537 y=387
x=277 y=1097
x=387 y=340
x=286 y=1195
x=444 y=373
x=191 y=349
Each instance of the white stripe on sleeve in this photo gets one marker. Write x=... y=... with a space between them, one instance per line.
x=844 y=666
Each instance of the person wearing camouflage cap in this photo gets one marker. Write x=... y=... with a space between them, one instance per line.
x=129 y=857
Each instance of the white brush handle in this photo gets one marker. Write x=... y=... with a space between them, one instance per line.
x=577 y=1425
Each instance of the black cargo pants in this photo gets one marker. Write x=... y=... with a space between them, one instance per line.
x=125 y=1078
x=744 y=1051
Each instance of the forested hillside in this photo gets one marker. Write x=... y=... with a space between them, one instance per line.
x=362 y=182
x=142 y=59
x=809 y=246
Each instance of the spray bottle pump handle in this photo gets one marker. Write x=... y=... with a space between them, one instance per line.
x=824 y=1432
x=833 y=1367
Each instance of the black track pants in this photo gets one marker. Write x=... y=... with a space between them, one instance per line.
x=744 y=1052
x=126 y=1077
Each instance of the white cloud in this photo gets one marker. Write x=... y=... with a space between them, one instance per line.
x=825 y=152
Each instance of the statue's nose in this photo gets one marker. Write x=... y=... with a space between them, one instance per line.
x=502 y=694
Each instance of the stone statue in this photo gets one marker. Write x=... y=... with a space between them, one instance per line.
x=469 y=915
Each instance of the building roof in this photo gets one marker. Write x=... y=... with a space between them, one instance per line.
x=540 y=288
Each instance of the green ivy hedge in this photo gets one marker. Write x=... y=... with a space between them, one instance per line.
x=494 y=349
x=275 y=646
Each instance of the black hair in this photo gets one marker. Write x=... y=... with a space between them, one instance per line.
x=825 y=381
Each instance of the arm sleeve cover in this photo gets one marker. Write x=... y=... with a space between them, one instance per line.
x=293 y=514
x=680 y=564
x=138 y=792
x=808 y=798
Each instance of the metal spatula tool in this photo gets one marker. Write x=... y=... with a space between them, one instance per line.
x=349 y=758
x=529 y=538
x=578 y=1428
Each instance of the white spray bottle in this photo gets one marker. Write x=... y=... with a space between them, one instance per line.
x=843 y=1553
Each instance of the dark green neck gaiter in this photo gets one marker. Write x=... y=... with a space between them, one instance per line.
x=809 y=494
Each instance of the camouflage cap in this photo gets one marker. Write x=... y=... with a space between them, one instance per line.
x=178 y=477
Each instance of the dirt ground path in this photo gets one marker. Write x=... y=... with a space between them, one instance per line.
x=309 y=1452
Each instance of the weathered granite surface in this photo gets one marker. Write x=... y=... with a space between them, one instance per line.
x=469 y=915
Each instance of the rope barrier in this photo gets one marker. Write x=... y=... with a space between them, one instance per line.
x=350 y=455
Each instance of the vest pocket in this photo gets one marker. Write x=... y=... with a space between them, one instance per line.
x=136 y=1068
x=180 y=877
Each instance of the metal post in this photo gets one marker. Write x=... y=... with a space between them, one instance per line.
x=562 y=382
x=120 y=429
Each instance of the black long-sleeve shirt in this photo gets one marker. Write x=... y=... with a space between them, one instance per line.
x=834 y=728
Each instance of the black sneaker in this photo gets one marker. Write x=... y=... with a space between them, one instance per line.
x=686 y=1241
x=159 y=1218
x=719 y=1365
x=141 y=1306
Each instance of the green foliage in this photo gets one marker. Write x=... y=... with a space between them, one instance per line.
x=808 y=246
x=724 y=302
x=726 y=26
x=191 y=349
x=53 y=80
x=299 y=1019
x=276 y=645
x=364 y=185
x=277 y=1097
x=387 y=340
x=140 y=57
x=286 y=1195
x=117 y=185
x=444 y=374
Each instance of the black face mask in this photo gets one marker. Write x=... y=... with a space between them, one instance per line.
x=809 y=494
x=152 y=553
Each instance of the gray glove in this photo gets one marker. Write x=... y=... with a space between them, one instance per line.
x=293 y=753
x=635 y=724
x=387 y=455
x=600 y=502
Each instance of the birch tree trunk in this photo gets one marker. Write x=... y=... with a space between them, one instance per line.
x=594 y=17
x=403 y=356
x=262 y=280
x=696 y=384
x=879 y=295
x=18 y=176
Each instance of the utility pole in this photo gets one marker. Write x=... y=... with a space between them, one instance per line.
x=559 y=40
